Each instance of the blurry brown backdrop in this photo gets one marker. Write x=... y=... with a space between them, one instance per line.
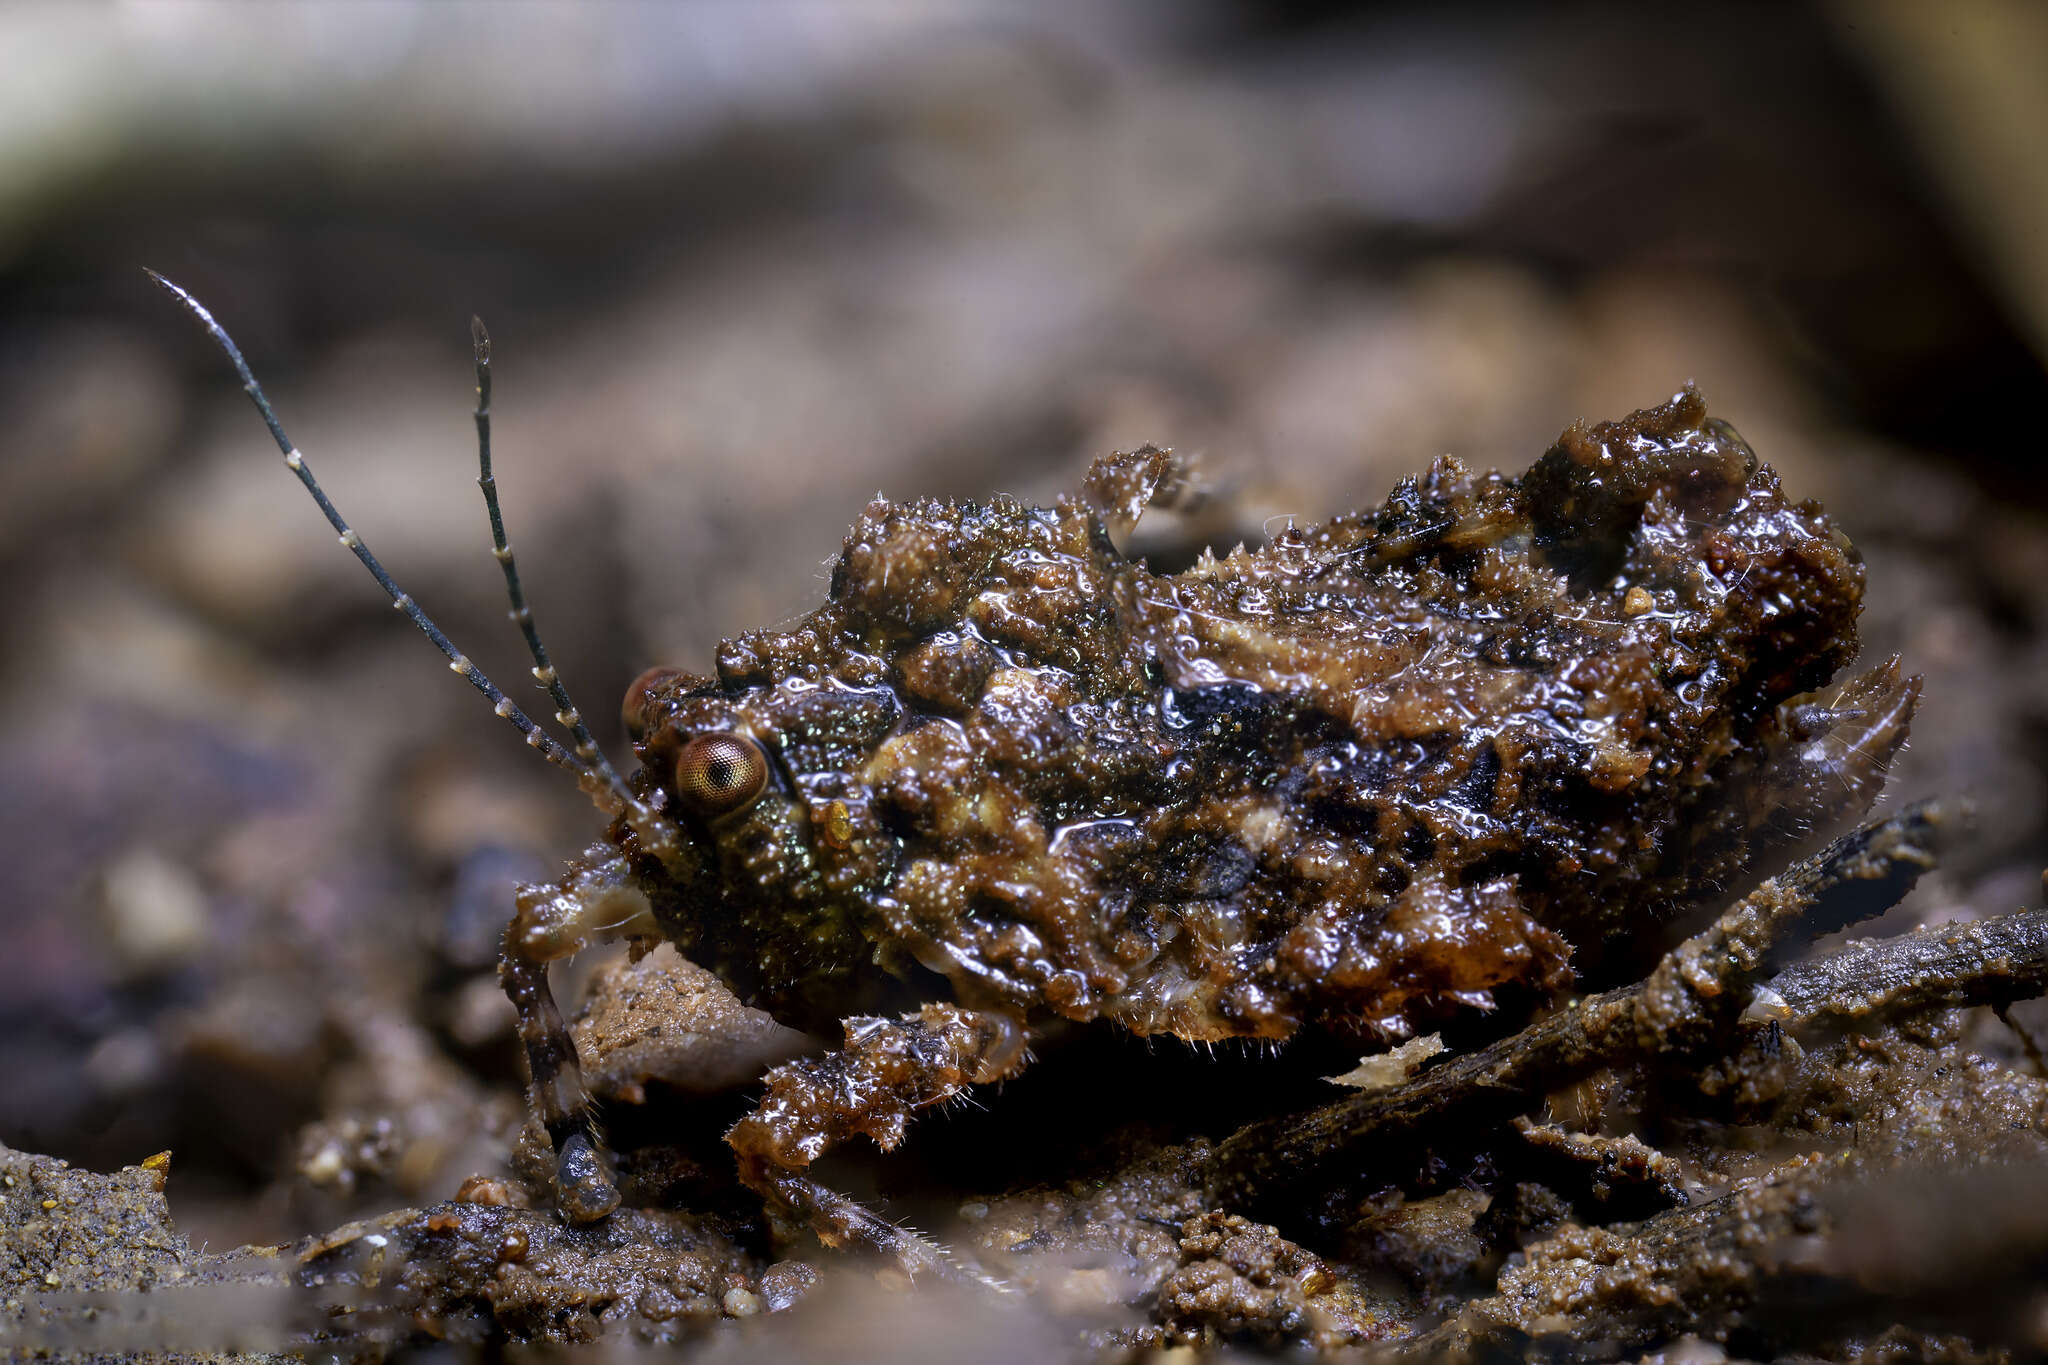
x=747 y=264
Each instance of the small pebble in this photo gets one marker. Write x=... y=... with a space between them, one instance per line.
x=783 y=1283
x=325 y=1165
x=482 y=1189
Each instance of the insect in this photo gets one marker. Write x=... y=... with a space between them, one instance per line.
x=1452 y=754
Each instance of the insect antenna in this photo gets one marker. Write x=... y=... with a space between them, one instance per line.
x=543 y=668
x=550 y=748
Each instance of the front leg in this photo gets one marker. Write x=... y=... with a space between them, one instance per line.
x=888 y=1069
x=555 y=920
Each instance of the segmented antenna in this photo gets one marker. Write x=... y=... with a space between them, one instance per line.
x=608 y=794
x=543 y=668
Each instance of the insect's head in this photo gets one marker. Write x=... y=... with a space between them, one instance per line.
x=755 y=832
x=768 y=778
x=703 y=764
x=784 y=863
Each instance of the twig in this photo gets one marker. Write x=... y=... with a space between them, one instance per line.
x=1693 y=999
x=1989 y=962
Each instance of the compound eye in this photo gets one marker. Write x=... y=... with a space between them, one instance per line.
x=719 y=774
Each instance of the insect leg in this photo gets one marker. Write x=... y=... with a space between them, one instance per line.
x=888 y=1069
x=583 y=1185
x=842 y=1222
x=553 y=921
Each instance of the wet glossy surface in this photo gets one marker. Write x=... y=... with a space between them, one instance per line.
x=1428 y=758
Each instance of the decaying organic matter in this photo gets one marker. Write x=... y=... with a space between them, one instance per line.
x=1474 y=760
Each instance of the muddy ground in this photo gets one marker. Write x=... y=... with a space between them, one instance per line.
x=259 y=844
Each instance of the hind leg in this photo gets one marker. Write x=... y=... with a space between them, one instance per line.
x=888 y=1069
x=555 y=920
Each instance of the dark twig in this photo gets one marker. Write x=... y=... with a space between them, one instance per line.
x=1798 y=1257
x=1692 y=1000
x=1989 y=962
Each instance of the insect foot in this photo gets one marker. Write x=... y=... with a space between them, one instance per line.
x=888 y=1069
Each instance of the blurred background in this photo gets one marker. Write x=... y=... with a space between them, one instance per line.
x=747 y=264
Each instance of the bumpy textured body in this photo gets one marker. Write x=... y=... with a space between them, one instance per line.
x=1417 y=760
x=1449 y=755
